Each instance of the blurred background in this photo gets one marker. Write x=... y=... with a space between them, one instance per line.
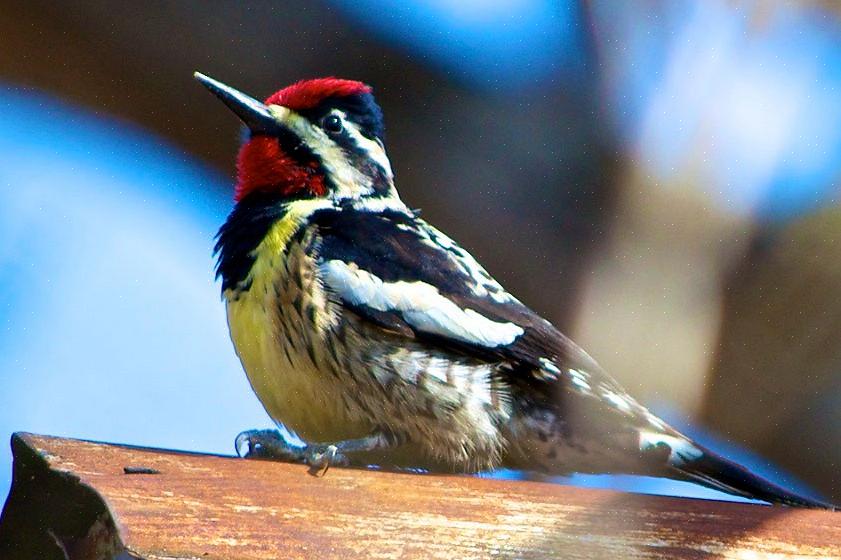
x=659 y=178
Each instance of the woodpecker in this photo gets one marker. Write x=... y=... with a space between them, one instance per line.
x=377 y=339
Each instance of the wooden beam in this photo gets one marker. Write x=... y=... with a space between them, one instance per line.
x=80 y=500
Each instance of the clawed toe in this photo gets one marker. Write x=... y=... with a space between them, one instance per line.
x=321 y=458
x=266 y=444
x=271 y=444
x=247 y=444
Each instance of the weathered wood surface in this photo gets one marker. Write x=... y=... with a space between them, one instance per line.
x=79 y=500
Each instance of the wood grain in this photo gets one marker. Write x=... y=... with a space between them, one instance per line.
x=154 y=504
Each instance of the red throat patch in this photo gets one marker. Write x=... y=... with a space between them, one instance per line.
x=307 y=94
x=263 y=165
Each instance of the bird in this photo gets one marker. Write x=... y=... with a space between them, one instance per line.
x=372 y=338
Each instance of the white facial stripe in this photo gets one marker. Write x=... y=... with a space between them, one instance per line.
x=374 y=149
x=280 y=113
x=350 y=182
x=420 y=304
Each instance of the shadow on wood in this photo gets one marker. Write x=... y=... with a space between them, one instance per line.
x=80 y=500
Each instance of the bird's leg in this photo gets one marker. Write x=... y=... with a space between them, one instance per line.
x=321 y=456
x=271 y=444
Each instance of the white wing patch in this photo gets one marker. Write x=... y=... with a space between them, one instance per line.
x=420 y=304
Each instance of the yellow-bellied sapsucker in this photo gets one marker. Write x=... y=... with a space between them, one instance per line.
x=378 y=339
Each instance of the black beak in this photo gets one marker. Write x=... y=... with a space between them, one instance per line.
x=254 y=114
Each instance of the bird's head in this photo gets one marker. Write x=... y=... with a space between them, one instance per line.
x=318 y=138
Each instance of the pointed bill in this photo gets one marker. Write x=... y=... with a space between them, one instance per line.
x=253 y=113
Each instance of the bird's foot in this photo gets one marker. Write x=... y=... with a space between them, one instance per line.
x=268 y=444
x=271 y=444
x=322 y=457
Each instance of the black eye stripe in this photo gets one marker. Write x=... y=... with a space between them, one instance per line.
x=359 y=109
x=295 y=147
x=360 y=158
x=346 y=141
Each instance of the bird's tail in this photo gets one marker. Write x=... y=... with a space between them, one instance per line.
x=719 y=473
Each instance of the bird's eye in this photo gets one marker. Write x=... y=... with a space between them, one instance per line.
x=332 y=123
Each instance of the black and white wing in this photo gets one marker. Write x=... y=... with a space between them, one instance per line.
x=397 y=271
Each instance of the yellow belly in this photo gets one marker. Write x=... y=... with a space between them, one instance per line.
x=271 y=336
x=292 y=390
